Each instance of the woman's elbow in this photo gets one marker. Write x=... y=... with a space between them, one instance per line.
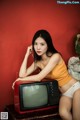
x=21 y=75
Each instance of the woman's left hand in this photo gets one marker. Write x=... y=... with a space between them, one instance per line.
x=18 y=79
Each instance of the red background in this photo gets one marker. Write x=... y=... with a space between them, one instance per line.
x=19 y=20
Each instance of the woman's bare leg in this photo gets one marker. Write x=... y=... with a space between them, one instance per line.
x=76 y=105
x=65 y=108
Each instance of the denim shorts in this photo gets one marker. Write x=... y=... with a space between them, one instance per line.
x=72 y=89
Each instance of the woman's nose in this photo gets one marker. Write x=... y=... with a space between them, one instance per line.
x=38 y=47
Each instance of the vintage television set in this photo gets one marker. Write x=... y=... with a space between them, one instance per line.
x=35 y=96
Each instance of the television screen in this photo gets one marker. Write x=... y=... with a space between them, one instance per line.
x=34 y=96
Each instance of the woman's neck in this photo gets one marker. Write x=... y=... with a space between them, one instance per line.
x=44 y=57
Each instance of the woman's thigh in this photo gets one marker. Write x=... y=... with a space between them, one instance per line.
x=76 y=105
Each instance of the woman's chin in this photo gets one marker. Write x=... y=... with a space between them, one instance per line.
x=39 y=54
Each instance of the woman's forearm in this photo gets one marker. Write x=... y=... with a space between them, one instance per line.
x=31 y=78
x=23 y=67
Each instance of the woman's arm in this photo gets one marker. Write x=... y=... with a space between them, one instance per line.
x=48 y=68
x=24 y=71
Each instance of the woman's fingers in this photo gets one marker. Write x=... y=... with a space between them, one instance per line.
x=15 y=82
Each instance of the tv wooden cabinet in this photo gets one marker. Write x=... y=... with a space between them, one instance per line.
x=44 y=115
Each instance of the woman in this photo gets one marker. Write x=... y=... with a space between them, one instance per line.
x=52 y=66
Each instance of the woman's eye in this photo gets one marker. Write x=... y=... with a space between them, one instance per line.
x=35 y=43
x=42 y=44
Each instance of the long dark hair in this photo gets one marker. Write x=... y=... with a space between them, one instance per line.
x=46 y=36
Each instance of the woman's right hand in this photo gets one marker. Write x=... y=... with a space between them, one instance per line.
x=29 y=50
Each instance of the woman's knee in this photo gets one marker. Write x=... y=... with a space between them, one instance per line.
x=65 y=107
x=62 y=113
x=65 y=114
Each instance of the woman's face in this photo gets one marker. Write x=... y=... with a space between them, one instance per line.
x=40 y=46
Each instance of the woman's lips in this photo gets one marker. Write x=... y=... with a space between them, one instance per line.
x=38 y=51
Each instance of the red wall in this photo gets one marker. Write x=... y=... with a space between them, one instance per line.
x=19 y=20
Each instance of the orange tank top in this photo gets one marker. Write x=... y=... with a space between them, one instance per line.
x=60 y=73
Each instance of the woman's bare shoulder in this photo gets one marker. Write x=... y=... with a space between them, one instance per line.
x=56 y=56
